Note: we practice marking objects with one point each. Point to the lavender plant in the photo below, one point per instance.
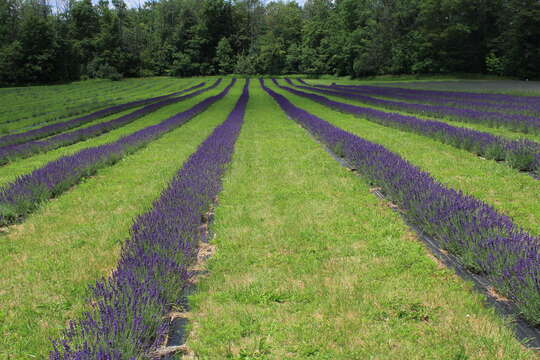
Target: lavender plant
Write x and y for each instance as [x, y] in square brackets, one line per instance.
[515, 122]
[434, 97]
[533, 101]
[128, 312]
[70, 124]
[486, 241]
[520, 154]
[15, 151]
[23, 195]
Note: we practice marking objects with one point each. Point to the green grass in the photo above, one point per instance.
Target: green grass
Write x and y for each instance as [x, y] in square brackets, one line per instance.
[74, 100]
[456, 82]
[499, 131]
[68, 113]
[47, 262]
[310, 265]
[11, 171]
[511, 192]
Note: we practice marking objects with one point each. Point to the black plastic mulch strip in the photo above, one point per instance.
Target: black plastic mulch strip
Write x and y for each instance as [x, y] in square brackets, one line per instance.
[178, 333]
[526, 333]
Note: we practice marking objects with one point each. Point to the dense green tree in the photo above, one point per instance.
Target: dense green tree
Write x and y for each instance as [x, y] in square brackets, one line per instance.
[518, 47]
[43, 43]
[225, 56]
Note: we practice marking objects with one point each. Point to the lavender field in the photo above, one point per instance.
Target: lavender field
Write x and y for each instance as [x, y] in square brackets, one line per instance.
[271, 218]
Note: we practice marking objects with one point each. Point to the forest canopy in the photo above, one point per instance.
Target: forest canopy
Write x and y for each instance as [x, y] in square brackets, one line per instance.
[44, 41]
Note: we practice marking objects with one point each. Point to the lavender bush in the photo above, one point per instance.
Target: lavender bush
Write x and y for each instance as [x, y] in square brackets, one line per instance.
[70, 124]
[520, 154]
[22, 196]
[485, 240]
[516, 122]
[533, 102]
[434, 97]
[11, 152]
[128, 315]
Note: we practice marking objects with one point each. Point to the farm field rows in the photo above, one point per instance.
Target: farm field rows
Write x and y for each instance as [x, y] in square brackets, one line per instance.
[523, 155]
[26, 108]
[53, 136]
[307, 261]
[500, 131]
[504, 188]
[48, 285]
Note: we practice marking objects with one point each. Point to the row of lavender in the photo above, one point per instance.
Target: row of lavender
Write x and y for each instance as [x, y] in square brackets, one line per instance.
[73, 123]
[435, 97]
[520, 154]
[69, 111]
[15, 151]
[497, 98]
[127, 320]
[516, 122]
[485, 240]
[24, 194]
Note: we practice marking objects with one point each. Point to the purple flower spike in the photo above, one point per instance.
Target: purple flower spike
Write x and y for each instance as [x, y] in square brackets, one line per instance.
[128, 315]
[485, 240]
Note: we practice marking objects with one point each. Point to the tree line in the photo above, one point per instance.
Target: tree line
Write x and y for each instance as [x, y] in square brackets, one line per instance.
[44, 41]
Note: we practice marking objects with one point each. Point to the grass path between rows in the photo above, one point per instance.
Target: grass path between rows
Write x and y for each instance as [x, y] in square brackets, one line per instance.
[83, 103]
[11, 171]
[511, 192]
[499, 131]
[47, 262]
[310, 265]
[495, 85]
[75, 93]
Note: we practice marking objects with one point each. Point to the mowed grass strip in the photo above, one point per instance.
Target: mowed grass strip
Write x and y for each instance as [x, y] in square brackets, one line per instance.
[35, 102]
[47, 263]
[76, 93]
[59, 107]
[141, 94]
[310, 265]
[11, 171]
[83, 104]
[512, 193]
[500, 131]
[493, 85]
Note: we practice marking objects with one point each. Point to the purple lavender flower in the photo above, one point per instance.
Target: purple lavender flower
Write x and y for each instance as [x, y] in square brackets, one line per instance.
[517, 122]
[11, 152]
[520, 154]
[70, 124]
[485, 240]
[127, 318]
[22, 196]
[435, 97]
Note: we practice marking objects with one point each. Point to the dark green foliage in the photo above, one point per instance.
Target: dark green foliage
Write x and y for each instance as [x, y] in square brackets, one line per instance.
[225, 56]
[40, 43]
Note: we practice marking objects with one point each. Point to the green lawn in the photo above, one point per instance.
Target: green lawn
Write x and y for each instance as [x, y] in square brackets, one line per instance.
[36, 106]
[311, 265]
[19, 167]
[500, 131]
[478, 84]
[47, 262]
[513, 193]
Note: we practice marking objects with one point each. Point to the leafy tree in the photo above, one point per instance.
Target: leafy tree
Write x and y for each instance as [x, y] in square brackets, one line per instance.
[225, 56]
[519, 45]
[203, 37]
